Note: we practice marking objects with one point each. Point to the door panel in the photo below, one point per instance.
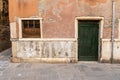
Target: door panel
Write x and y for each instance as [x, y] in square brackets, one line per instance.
[88, 40]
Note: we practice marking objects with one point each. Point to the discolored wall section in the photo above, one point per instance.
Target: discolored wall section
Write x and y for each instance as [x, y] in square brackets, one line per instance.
[46, 49]
[58, 19]
[59, 15]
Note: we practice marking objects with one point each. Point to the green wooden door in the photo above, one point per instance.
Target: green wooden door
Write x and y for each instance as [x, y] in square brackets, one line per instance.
[88, 32]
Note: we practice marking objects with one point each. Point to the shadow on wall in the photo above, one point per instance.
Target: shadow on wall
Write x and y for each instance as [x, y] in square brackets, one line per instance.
[4, 38]
[4, 26]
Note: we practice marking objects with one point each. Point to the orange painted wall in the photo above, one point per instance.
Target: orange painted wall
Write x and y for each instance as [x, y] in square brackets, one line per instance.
[22, 8]
[59, 15]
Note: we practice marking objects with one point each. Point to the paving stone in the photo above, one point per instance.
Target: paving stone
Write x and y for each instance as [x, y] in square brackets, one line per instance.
[40, 71]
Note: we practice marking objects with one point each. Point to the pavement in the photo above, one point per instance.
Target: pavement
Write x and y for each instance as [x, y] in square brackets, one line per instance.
[61, 71]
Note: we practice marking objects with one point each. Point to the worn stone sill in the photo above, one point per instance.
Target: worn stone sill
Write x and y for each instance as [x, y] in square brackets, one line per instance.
[47, 39]
[108, 40]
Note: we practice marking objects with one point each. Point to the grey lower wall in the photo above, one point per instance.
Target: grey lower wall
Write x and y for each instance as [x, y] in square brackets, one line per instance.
[46, 49]
[59, 50]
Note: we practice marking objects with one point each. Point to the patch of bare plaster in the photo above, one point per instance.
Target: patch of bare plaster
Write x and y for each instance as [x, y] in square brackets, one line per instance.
[16, 19]
[87, 9]
[56, 7]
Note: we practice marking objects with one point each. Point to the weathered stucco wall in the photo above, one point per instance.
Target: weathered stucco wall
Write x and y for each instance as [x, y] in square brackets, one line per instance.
[46, 49]
[59, 22]
[59, 15]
